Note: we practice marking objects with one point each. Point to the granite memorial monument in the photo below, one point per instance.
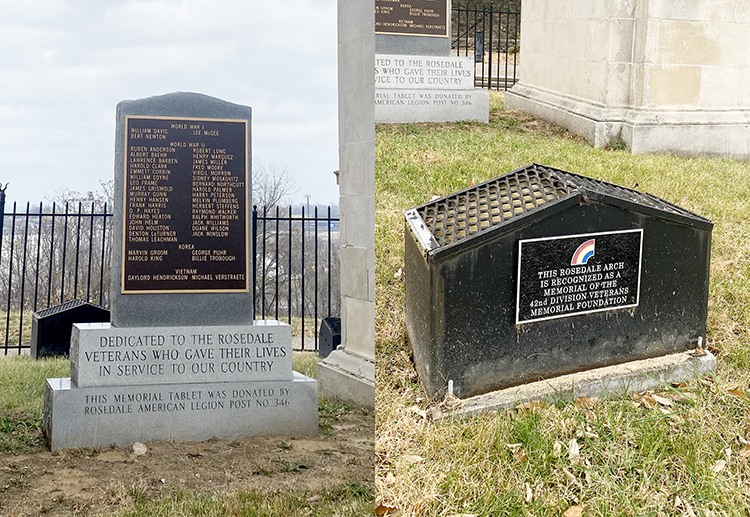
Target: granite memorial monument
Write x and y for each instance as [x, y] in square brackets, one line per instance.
[416, 78]
[182, 358]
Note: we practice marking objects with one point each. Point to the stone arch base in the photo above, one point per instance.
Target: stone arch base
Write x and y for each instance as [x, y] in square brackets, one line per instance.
[715, 133]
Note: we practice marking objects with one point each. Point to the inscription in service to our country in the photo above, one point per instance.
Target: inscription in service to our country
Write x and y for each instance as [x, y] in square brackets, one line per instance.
[153, 358]
[412, 17]
[184, 212]
[408, 72]
[578, 274]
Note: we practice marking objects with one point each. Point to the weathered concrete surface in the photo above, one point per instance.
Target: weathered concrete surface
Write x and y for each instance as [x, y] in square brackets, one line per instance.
[420, 45]
[348, 378]
[661, 76]
[610, 381]
[122, 415]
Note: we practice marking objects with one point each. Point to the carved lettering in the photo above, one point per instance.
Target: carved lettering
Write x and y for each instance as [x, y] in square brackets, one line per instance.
[185, 206]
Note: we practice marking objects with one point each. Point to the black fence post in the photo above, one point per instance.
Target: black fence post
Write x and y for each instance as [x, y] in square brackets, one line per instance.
[2, 212]
[255, 255]
[10, 276]
[2, 225]
[302, 279]
[489, 72]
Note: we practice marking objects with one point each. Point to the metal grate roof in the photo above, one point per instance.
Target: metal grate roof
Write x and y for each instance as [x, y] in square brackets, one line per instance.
[629, 195]
[59, 309]
[458, 216]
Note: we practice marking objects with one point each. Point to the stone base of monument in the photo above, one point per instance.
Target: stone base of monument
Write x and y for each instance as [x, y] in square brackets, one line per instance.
[607, 382]
[412, 88]
[347, 377]
[405, 106]
[121, 415]
[140, 384]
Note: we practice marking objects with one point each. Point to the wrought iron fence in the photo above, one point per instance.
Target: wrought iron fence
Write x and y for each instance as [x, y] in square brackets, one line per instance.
[50, 255]
[492, 36]
[296, 266]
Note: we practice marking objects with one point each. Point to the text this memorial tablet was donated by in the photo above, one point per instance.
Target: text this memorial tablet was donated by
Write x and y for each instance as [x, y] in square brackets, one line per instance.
[185, 212]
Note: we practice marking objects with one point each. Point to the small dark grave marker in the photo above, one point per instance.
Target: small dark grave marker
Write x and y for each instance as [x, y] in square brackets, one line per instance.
[541, 272]
[479, 46]
[330, 336]
[51, 328]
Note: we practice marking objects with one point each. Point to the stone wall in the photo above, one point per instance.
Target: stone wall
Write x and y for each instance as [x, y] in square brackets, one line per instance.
[659, 75]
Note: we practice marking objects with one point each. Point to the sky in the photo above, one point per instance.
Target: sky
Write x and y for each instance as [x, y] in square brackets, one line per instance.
[65, 64]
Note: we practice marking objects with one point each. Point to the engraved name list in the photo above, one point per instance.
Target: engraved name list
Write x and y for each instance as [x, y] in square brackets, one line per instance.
[185, 206]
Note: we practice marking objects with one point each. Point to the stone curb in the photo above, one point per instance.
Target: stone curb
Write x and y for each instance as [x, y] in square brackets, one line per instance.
[606, 382]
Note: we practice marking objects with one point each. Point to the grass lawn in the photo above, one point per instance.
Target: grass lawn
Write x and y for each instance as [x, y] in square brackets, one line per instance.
[636, 456]
[297, 477]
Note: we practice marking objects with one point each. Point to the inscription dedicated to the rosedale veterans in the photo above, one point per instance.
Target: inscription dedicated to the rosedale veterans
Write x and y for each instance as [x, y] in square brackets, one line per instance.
[102, 355]
[185, 205]
[177, 353]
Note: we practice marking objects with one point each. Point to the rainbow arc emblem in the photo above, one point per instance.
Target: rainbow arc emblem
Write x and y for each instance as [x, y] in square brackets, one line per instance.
[584, 252]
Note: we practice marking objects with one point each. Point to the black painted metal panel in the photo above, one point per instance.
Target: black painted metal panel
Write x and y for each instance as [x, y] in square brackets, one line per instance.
[462, 306]
[51, 328]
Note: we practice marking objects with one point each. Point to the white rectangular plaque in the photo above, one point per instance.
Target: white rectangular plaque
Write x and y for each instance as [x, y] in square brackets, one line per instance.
[400, 71]
[103, 355]
[121, 415]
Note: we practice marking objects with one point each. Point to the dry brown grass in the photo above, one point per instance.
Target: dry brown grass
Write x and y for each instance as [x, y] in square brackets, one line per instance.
[632, 458]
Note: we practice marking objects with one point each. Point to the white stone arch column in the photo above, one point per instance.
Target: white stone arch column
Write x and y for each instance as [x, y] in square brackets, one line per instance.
[348, 374]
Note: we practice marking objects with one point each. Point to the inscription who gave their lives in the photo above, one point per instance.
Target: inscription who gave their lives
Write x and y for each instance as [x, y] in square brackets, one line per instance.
[185, 354]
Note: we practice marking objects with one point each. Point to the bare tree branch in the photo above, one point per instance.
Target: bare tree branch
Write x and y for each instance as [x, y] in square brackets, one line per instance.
[271, 185]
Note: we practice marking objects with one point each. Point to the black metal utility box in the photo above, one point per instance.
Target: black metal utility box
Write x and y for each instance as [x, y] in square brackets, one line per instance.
[51, 328]
[541, 272]
[330, 336]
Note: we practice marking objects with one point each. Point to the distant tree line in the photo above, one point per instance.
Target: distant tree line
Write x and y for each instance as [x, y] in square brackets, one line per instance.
[61, 252]
[497, 5]
[469, 16]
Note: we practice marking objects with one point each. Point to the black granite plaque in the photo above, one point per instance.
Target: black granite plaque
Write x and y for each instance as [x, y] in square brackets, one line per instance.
[412, 17]
[185, 217]
[578, 274]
